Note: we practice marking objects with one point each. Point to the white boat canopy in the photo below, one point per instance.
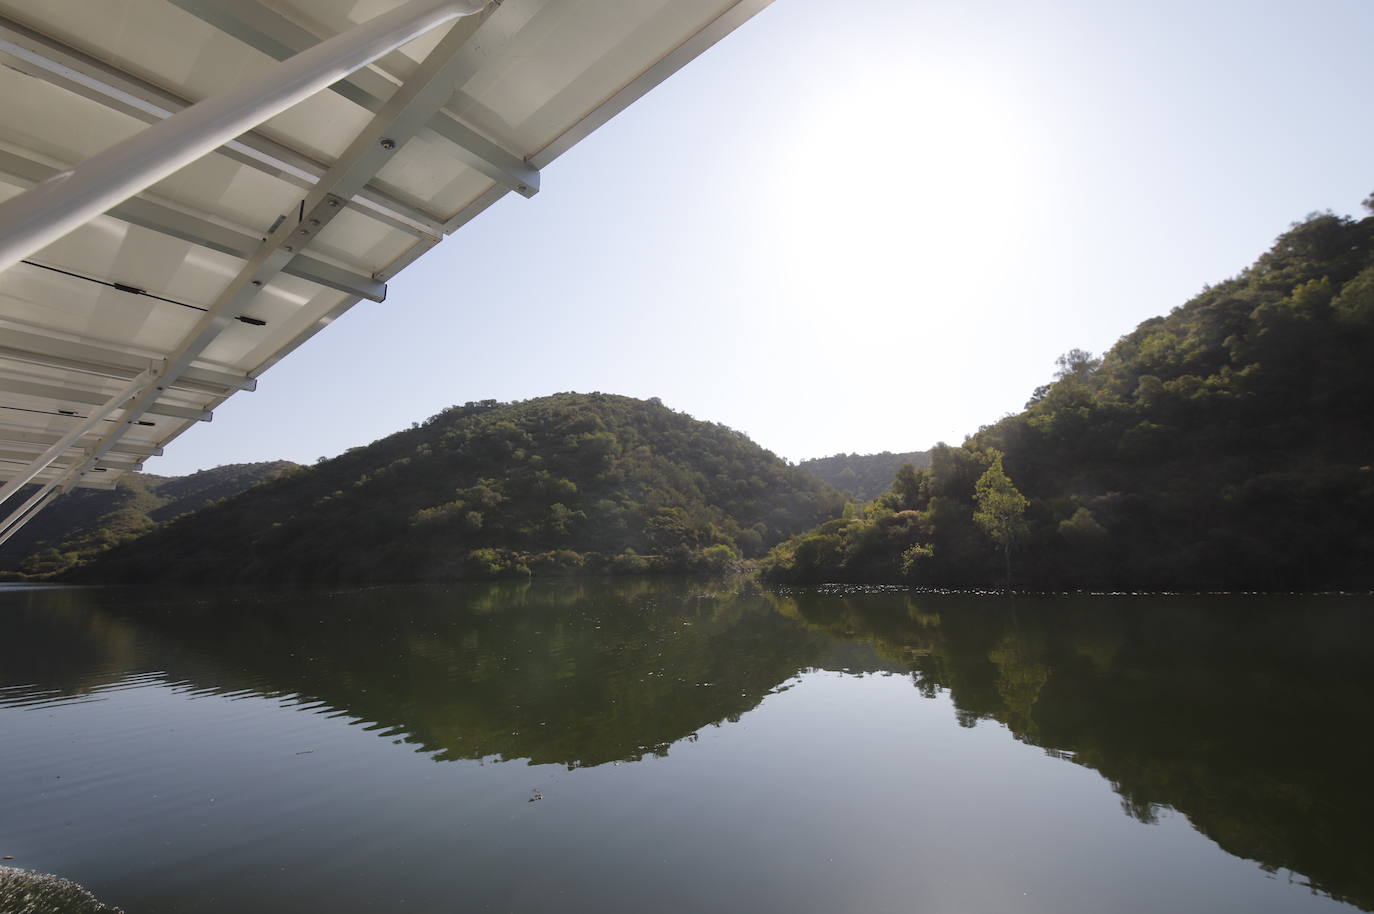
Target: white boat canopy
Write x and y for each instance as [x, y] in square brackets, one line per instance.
[190, 189]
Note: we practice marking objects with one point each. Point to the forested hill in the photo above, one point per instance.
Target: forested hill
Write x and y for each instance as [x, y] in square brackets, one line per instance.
[567, 483]
[1229, 445]
[862, 476]
[85, 522]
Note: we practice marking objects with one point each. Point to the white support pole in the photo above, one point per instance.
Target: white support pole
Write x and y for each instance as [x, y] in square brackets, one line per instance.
[46, 212]
[43, 460]
[22, 515]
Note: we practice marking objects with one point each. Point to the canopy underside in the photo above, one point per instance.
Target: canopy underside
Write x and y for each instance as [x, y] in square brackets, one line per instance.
[471, 110]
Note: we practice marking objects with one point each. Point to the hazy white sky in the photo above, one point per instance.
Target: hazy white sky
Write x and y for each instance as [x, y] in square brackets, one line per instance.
[860, 226]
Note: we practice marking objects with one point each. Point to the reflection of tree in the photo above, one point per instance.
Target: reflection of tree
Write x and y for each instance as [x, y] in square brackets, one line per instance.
[841, 616]
[1244, 716]
[1020, 678]
[52, 642]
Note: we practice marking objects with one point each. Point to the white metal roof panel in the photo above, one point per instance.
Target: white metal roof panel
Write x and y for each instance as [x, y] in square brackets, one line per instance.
[479, 105]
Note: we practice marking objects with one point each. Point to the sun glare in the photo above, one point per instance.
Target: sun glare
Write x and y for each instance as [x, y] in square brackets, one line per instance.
[901, 179]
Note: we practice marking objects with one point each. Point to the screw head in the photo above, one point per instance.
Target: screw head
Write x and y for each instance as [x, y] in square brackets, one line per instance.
[314, 222]
[257, 282]
[333, 201]
[388, 143]
[290, 249]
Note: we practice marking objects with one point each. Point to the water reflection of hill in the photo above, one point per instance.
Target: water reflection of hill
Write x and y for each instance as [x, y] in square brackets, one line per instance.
[1249, 716]
[575, 673]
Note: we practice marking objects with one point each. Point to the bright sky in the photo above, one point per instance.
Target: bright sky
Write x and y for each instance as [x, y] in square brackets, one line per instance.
[860, 226]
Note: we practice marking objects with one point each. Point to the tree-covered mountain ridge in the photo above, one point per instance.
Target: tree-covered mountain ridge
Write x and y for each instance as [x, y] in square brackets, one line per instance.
[569, 483]
[85, 522]
[1227, 445]
[862, 477]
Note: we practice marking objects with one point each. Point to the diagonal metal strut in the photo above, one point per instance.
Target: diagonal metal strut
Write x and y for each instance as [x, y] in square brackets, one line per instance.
[273, 34]
[48, 211]
[45, 58]
[70, 199]
[404, 113]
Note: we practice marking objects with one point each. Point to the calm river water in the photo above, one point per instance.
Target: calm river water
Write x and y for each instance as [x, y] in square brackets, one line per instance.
[689, 746]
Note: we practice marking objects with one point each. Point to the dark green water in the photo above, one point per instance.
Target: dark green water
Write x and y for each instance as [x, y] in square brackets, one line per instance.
[688, 746]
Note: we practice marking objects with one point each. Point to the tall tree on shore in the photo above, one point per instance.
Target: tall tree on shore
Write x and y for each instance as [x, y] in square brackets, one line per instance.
[1000, 508]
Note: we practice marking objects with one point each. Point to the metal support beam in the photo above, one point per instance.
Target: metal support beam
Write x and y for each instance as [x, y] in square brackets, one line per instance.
[503, 167]
[273, 34]
[100, 485]
[45, 213]
[63, 461]
[43, 460]
[47, 59]
[94, 398]
[26, 438]
[40, 500]
[404, 113]
[27, 511]
[177, 223]
[38, 349]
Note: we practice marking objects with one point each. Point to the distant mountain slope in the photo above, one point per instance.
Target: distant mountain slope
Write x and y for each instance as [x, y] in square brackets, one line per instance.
[85, 522]
[185, 494]
[862, 476]
[571, 482]
[1229, 445]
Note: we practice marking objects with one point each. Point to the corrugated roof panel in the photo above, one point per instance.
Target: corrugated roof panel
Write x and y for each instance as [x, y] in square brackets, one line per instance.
[568, 59]
[51, 122]
[218, 187]
[353, 238]
[426, 169]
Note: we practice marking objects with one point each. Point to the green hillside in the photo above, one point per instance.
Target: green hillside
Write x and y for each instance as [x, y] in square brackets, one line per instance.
[562, 484]
[863, 477]
[85, 522]
[1228, 445]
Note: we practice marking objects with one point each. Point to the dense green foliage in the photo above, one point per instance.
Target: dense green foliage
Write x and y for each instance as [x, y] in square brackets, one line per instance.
[1228, 445]
[85, 522]
[863, 477]
[560, 484]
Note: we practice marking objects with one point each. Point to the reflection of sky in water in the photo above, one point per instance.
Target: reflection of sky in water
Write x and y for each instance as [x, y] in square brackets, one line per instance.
[171, 777]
